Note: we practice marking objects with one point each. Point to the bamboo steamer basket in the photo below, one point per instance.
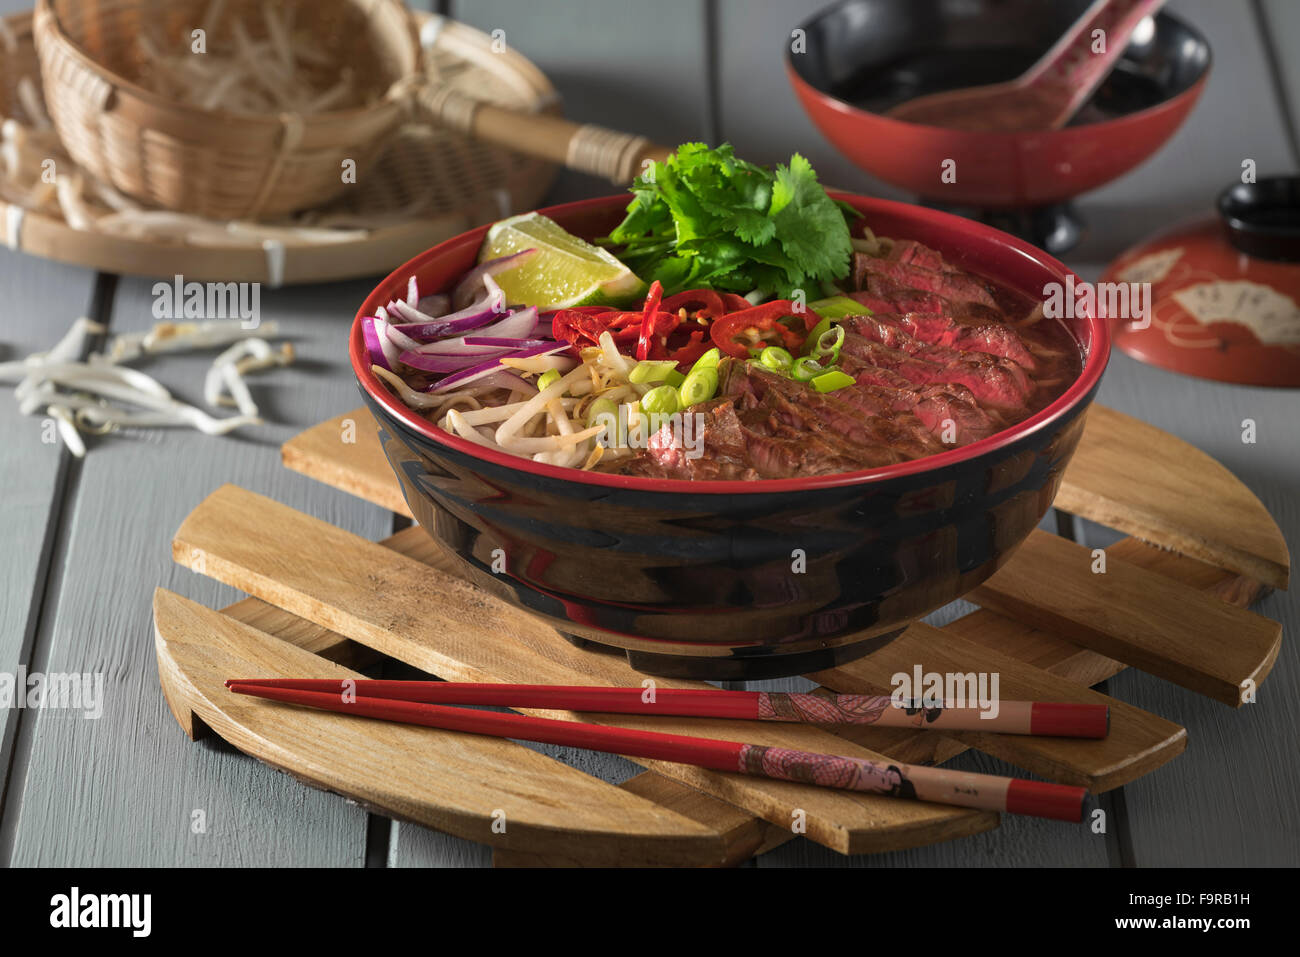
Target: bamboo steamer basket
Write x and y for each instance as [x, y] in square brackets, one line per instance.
[428, 185]
[227, 165]
[215, 162]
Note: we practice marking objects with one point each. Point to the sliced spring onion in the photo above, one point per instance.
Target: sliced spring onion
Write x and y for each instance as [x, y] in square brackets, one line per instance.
[833, 311]
[663, 400]
[826, 348]
[651, 370]
[601, 407]
[700, 386]
[675, 379]
[709, 360]
[546, 378]
[806, 369]
[776, 359]
[832, 380]
[838, 307]
[830, 340]
[819, 330]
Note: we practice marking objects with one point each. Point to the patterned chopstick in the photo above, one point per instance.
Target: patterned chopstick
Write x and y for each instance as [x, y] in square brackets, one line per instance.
[959, 788]
[1059, 719]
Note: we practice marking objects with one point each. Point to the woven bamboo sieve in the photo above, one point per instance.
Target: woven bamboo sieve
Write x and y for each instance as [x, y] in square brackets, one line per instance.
[229, 165]
[217, 163]
[428, 185]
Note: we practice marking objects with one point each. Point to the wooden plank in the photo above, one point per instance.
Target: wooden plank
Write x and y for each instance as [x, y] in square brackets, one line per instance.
[322, 642]
[1135, 616]
[130, 774]
[1138, 741]
[465, 638]
[463, 784]
[41, 299]
[745, 836]
[1230, 800]
[35, 465]
[1164, 499]
[742, 835]
[345, 452]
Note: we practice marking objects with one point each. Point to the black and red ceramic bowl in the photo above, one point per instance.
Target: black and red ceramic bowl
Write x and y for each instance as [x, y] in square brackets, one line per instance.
[860, 58]
[738, 579]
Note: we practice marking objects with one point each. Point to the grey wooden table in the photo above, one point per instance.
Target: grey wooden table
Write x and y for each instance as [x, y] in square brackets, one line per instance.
[86, 542]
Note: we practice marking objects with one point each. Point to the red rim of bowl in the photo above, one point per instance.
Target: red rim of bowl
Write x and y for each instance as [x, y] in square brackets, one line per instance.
[1098, 352]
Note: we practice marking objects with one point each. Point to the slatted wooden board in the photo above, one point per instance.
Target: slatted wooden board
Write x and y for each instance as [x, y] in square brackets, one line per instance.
[322, 598]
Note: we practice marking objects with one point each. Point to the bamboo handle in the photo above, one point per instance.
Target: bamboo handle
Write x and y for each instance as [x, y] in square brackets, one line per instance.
[586, 148]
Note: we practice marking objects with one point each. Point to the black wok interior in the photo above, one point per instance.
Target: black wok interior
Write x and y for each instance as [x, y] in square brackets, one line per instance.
[876, 54]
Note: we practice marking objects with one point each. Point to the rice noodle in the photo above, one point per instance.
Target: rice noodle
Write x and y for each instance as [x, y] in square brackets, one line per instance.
[416, 400]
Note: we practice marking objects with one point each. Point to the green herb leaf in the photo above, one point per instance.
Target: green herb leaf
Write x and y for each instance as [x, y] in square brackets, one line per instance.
[704, 216]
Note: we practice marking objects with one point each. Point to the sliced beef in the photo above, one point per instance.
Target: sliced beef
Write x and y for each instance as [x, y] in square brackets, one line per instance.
[893, 298]
[873, 434]
[894, 337]
[995, 338]
[991, 383]
[891, 274]
[938, 405]
[881, 392]
[910, 251]
[721, 438]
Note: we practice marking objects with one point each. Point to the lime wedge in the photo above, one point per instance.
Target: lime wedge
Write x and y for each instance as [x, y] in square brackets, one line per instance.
[565, 271]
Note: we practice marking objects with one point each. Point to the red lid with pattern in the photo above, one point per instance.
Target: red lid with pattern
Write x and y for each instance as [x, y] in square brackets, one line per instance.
[1225, 290]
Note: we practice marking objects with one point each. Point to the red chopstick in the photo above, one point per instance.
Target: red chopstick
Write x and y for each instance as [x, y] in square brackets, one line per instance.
[960, 788]
[1060, 719]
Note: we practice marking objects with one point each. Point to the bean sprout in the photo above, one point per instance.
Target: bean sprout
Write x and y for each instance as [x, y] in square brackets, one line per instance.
[97, 395]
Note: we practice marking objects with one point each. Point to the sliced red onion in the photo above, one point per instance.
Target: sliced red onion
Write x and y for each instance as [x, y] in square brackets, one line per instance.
[467, 290]
[504, 379]
[496, 296]
[419, 325]
[477, 372]
[450, 363]
[436, 305]
[506, 343]
[456, 347]
[400, 339]
[412, 292]
[382, 351]
[516, 326]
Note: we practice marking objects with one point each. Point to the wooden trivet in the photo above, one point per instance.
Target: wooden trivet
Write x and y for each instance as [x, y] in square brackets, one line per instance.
[1048, 625]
